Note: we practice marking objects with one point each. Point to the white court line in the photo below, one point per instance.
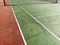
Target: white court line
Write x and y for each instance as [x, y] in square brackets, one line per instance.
[40, 23]
[19, 26]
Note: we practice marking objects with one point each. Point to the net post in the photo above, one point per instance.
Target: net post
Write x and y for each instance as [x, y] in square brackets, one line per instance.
[56, 1]
[4, 2]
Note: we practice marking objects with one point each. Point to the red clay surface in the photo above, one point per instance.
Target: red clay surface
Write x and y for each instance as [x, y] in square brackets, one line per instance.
[9, 31]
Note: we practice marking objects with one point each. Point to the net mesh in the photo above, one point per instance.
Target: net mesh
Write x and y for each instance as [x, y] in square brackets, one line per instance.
[27, 2]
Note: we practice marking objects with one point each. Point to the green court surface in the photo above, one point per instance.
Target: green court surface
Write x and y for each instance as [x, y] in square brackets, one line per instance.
[39, 21]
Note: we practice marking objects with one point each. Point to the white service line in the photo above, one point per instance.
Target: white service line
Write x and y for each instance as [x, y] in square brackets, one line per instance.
[19, 27]
[39, 22]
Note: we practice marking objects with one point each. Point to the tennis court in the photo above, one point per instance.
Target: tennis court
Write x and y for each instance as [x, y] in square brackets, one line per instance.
[39, 21]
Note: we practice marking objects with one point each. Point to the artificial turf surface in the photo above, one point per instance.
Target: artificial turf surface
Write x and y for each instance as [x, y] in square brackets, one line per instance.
[47, 14]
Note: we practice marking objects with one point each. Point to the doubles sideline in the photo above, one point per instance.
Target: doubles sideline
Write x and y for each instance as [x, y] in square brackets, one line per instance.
[18, 26]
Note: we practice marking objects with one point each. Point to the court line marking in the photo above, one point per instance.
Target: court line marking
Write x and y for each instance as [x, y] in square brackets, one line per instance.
[39, 23]
[20, 29]
[18, 26]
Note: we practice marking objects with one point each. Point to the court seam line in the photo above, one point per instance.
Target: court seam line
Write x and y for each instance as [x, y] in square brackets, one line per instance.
[24, 41]
[40, 23]
[45, 16]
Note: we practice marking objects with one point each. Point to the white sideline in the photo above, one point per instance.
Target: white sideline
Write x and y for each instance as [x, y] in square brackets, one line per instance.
[18, 26]
[40, 23]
